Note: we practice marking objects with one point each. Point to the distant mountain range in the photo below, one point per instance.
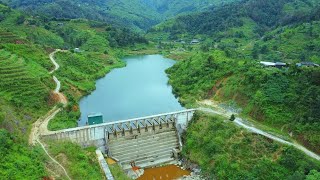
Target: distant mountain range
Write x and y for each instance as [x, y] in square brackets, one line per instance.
[139, 14]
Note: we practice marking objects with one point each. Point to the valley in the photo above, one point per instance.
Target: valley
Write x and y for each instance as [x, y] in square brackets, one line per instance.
[253, 120]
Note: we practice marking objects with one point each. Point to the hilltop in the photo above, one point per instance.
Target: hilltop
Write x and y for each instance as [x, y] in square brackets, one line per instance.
[138, 14]
[221, 67]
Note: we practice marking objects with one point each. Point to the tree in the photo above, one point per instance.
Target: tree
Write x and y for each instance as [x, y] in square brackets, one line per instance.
[313, 175]
[232, 118]
[20, 19]
[1, 117]
[256, 51]
[210, 61]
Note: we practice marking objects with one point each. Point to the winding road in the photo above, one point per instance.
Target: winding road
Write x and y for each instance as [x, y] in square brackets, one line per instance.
[41, 125]
[250, 127]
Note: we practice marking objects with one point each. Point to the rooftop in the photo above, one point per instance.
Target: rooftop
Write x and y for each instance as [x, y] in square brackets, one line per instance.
[95, 114]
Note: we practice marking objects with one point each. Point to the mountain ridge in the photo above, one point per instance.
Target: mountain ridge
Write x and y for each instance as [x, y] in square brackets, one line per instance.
[138, 14]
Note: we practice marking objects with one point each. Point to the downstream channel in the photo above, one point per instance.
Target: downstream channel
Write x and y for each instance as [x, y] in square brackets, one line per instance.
[139, 89]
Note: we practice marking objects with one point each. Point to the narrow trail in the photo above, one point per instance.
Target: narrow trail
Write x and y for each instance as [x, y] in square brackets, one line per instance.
[56, 65]
[41, 125]
[250, 127]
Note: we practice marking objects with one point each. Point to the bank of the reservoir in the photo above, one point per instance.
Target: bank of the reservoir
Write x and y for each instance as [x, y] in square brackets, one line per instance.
[139, 89]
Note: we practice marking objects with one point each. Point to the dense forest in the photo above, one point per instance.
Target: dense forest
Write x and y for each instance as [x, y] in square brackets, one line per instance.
[137, 14]
[225, 65]
[26, 86]
[225, 151]
[265, 14]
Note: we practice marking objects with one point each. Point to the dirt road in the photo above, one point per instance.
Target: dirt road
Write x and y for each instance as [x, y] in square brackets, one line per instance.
[41, 125]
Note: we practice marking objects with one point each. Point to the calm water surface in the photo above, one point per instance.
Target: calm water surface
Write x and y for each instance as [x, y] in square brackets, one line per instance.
[139, 89]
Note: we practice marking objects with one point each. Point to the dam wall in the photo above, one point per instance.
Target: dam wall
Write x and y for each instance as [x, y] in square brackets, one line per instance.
[98, 135]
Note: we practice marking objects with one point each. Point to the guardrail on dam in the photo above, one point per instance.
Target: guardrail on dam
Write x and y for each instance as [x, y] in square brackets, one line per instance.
[98, 135]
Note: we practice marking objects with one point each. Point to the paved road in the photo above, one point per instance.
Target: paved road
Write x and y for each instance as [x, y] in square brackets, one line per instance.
[250, 127]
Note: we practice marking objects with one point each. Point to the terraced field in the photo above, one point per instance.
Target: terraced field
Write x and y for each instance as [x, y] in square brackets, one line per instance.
[17, 84]
[8, 37]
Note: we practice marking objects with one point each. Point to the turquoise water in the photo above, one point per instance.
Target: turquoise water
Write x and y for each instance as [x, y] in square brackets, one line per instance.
[139, 89]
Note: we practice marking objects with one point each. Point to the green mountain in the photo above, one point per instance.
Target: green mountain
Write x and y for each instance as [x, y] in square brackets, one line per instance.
[225, 65]
[139, 14]
[265, 15]
[26, 85]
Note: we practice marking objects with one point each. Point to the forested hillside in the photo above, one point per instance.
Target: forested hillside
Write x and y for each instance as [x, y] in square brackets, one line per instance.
[230, 38]
[225, 151]
[138, 14]
[225, 65]
[265, 15]
[26, 87]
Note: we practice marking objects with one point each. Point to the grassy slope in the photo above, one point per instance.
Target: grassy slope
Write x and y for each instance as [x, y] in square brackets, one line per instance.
[79, 71]
[78, 76]
[26, 86]
[224, 151]
[18, 160]
[118, 172]
[283, 99]
[24, 89]
[286, 100]
[80, 163]
[25, 82]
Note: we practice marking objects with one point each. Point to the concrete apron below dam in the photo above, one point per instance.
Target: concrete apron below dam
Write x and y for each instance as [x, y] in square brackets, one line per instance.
[135, 144]
[152, 147]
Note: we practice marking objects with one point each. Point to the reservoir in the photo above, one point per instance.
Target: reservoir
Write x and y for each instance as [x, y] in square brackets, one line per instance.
[139, 89]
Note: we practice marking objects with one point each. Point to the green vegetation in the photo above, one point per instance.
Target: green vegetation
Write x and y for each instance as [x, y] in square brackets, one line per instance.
[65, 119]
[118, 173]
[79, 163]
[265, 14]
[78, 73]
[17, 84]
[26, 85]
[18, 160]
[224, 65]
[137, 14]
[224, 151]
[268, 95]
[313, 175]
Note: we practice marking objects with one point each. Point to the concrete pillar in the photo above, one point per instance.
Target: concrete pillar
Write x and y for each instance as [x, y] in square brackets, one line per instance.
[187, 118]
[78, 136]
[84, 133]
[135, 131]
[88, 134]
[156, 125]
[81, 133]
[94, 133]
[66, 135]
[127, 132]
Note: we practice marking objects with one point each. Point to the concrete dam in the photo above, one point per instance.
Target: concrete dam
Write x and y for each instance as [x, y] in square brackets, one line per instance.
[144, 142]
